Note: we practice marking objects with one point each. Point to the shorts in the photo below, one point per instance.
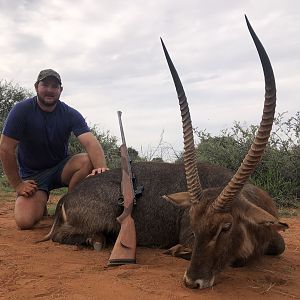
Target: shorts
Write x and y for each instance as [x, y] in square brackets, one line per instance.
[49, 179]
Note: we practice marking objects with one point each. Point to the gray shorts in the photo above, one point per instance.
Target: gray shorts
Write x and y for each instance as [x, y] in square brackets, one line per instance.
[49, 179]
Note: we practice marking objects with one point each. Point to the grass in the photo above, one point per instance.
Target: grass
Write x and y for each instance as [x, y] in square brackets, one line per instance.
[4, 185]
[51, 209]
[287, 212]
[59, 192]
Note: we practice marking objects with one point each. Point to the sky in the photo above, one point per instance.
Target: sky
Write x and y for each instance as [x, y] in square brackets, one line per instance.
[109, 56]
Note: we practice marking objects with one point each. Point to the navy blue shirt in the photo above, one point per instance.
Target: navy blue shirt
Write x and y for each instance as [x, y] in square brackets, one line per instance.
[43, 136]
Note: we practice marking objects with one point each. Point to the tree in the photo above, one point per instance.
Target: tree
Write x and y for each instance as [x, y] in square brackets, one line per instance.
[108, 142]
[109, 145]
[10, 94]
[279, 169]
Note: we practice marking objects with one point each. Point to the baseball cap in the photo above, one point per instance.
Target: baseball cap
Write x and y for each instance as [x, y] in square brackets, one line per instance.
[47, 73]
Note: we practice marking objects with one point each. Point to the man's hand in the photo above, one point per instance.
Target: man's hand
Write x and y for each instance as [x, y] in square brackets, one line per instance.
[98, 170]
[26, 188]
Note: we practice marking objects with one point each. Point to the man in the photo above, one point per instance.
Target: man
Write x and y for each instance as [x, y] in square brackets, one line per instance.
[39, 129]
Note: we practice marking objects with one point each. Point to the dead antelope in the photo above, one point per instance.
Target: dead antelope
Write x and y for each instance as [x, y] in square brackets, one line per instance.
[222, 223]
[234, 224]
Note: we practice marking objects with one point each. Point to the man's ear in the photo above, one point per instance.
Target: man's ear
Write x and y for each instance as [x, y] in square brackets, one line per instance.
[182, 199]
[36, 86]
[61, 88]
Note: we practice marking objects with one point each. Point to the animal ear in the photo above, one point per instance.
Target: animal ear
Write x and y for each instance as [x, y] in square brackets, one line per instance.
[280, 226]
[182, 199]
[258, 216]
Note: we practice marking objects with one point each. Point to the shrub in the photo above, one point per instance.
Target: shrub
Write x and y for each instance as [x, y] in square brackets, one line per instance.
[278, 171]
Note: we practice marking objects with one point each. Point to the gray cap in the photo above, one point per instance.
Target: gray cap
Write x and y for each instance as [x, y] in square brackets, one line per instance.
[47, 73]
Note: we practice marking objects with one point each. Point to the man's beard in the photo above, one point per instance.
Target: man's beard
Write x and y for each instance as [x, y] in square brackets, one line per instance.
[47, 103]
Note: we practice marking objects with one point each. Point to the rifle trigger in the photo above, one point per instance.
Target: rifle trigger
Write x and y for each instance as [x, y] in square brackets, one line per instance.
[121, 201]
[138, 191]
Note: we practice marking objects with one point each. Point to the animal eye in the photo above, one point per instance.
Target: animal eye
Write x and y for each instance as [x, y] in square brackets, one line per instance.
[226, 226]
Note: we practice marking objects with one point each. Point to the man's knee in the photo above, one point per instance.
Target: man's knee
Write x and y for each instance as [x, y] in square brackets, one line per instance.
[25, 218]
[28, 211]
[24, 223]
[79, 162]
[86, 163]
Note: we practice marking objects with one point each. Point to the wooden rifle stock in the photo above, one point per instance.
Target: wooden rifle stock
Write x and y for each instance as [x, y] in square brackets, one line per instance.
[124, 250]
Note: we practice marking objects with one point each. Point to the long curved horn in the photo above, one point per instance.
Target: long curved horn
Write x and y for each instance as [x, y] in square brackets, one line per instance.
[227, 196]
[190, 163]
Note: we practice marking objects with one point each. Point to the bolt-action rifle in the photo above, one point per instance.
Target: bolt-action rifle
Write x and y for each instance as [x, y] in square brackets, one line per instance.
[124, 250]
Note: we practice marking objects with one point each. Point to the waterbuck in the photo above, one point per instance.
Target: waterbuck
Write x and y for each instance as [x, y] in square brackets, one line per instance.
[89, 212]
[236, 223]
[224, 220]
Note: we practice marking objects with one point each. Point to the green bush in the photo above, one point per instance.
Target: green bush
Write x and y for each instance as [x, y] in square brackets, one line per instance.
[109, 145]
[10, 94]
[279, 169]
[108, 142]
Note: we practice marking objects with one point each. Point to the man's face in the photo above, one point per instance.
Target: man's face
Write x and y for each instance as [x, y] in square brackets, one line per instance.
[48, 91]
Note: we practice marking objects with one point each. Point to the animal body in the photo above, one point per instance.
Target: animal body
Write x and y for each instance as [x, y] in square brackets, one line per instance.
[207, 214]
[90, 211]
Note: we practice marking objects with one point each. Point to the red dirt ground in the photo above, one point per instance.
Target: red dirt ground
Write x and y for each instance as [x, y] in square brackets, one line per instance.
[53, 271]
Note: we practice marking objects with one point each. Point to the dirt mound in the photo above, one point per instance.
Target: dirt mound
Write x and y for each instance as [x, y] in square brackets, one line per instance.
[52, 271]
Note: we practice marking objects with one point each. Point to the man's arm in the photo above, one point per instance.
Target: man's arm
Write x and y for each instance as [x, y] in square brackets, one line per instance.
[95, 152]
[9, 162]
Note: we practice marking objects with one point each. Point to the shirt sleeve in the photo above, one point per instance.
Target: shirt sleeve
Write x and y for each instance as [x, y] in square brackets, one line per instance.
[15, 123]
[78, 123]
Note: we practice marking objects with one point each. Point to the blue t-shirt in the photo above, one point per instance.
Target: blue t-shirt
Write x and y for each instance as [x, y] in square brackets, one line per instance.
[43, 136]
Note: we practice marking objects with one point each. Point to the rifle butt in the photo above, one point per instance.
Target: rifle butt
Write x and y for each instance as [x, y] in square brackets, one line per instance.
[124, 250]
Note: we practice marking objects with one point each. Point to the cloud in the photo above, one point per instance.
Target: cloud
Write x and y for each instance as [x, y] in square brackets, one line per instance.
[110, 58]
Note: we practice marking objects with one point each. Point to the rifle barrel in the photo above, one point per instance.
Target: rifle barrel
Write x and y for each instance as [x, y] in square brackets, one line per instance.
[121, 127]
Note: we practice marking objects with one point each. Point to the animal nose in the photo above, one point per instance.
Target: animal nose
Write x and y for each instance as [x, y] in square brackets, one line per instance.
[198, 283]
[191, 284]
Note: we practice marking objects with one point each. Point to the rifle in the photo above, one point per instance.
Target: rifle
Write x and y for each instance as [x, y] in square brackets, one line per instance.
[124, 249]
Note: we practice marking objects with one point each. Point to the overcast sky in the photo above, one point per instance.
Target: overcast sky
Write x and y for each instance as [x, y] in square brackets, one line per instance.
[110, 58]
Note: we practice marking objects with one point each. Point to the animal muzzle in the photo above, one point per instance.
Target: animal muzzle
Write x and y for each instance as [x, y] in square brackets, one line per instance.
[198, 283]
